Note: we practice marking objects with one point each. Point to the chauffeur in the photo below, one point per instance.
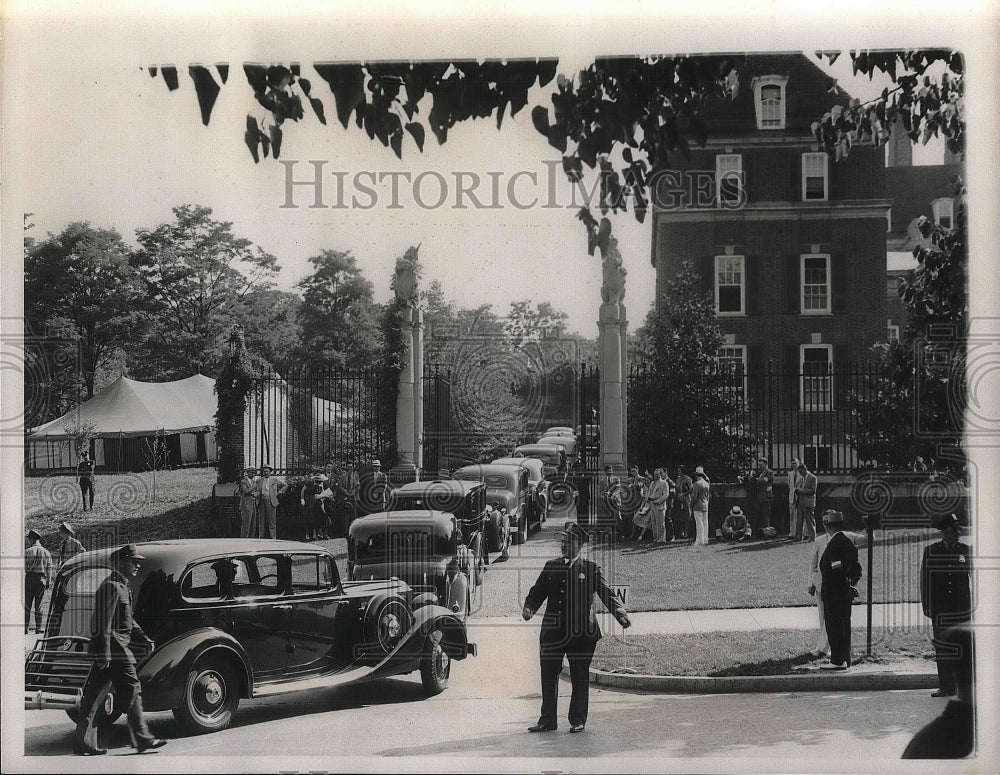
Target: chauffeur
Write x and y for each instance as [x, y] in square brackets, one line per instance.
[569, 626]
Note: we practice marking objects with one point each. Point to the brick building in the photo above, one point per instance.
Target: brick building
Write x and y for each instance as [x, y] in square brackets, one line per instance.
[791, 244]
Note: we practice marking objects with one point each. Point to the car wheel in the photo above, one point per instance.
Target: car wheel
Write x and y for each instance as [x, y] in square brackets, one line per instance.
[435, 665]
[391, 622]
[211, 695]
[107, 714]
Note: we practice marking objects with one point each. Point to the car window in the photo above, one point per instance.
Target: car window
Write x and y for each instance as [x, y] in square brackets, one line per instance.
[311, 573]
[498, 482]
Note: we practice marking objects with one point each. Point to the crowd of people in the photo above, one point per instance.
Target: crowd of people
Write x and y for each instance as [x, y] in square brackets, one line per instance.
[329, 499]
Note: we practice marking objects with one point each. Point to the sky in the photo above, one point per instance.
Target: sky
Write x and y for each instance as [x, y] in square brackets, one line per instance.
[99, 140]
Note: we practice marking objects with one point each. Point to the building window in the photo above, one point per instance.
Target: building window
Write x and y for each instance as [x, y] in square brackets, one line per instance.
[732, 360]
[729, 179]
[730, 285]
[816, 374]
[892, 333]
[769, 101]
[815, 284]
[815, 177]
[944, 212]
[818, 456]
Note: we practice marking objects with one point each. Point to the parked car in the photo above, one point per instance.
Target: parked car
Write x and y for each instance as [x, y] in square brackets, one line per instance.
[538, 495]
[559, 430]
[507, 490]
[241, 618]
[423, 548]
[568, 444]
[552, 455]
[466, 501]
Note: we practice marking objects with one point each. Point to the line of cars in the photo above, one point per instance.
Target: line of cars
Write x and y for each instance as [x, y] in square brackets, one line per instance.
[237, 619]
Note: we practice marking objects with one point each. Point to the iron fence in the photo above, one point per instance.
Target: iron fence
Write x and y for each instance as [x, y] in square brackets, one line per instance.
[437, 418]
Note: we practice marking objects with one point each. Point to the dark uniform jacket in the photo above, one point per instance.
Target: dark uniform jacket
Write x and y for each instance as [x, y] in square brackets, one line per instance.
[840, 569]
[569, 590]
[112, 625]
[944, 582]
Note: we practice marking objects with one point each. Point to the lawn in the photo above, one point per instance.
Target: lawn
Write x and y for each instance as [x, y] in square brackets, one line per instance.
[765, 573]
[127, 507]
[757, 652]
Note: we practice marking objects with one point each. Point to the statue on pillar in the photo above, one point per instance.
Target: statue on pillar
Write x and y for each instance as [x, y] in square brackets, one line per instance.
[612, 267]
[405, 279]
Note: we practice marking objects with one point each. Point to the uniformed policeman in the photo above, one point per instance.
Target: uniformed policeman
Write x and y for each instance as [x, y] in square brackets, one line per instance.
[569, 626]
[112, 630]
[946, 595]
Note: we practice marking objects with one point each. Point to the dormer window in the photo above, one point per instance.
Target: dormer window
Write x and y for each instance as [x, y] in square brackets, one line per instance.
[769, 101]
[944, 212]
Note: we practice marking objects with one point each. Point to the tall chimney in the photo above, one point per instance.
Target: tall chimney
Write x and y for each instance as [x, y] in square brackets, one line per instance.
[900, 153]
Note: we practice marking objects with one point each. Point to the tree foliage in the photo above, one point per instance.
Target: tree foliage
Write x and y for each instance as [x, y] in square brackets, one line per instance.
[917, 405]
[80, 301]
[681, 404]
[195, 272]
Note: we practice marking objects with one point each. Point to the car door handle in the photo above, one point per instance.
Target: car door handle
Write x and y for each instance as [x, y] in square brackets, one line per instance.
[283, 607]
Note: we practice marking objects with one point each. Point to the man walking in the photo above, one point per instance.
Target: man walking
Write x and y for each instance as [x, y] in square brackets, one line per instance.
[37, 575]
[269, 490]
[569, 626]
[805, 504]
[946, 595]
[70, 546]
[85, 478]
[112, 631]
[840, 571]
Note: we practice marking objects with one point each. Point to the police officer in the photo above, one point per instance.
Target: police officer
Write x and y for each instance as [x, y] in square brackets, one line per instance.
[946, 595]
[569, 626]
[112, 630]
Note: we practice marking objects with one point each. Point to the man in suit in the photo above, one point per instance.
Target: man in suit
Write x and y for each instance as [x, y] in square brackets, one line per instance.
[246, 488]
[85, 478]
[760, 489]
[269, 490]
[569, 626]
[37, 575]
[840, 571]
[805, 504]
[946, 595]
[793, 478]
[112, 630]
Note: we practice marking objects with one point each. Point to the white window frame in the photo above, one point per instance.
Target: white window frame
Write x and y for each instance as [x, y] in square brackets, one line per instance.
[769, 80]
[720, 358]
[944, 207]
[828, 309]
[806, 158]
[813, 406]
[722, 169]
[743, 286]
[892, 333]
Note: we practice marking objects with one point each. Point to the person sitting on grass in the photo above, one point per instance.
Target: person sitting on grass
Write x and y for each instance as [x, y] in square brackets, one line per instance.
[736, 527]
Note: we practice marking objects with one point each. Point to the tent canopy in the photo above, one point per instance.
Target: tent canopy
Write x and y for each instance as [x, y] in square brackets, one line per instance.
[131, 408]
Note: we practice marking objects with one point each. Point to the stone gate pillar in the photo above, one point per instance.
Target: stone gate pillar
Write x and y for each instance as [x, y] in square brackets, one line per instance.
[418, 389]
[405, 441]
[611, 326]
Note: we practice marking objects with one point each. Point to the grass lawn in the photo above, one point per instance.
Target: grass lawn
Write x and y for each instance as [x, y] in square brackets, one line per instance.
[764, 573]
[126, 507]
[757, 652]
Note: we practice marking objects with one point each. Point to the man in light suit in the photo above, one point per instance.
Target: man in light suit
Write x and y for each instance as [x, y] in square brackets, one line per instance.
[569, 626]
[269, 490]
[805, 504]
[793, 477]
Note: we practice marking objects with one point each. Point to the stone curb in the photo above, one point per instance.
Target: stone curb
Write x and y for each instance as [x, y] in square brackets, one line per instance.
[821, 682]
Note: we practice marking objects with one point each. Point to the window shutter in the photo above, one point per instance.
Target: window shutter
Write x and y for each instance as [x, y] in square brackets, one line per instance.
[750, 264]
[708, 275]
[756, 375]
[838, 283]
[793, 285]
[791, 369]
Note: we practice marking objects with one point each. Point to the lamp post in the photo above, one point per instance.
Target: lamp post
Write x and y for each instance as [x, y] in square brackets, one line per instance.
[871, 522]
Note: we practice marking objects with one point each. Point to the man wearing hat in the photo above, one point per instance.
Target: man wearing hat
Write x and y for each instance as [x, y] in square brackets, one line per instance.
[112, 630]
[946, 595]
[700, 494]
[70, 546]
[736, 527]
[840, 571]
[314, 498]
[247, 490]
[37, 574]
[569, 625]
[374, 489]
[85, 478]
[760, 492]
[269, 490]
[804, 496]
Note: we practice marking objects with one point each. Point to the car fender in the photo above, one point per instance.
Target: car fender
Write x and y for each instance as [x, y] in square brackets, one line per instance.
[164, 674]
